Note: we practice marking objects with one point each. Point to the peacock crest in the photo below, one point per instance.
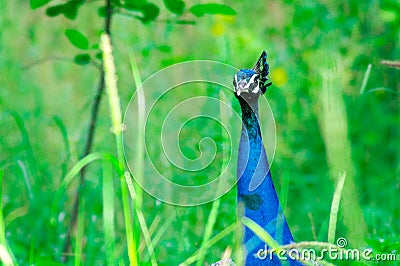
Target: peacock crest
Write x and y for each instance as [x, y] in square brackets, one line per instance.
[253, 80]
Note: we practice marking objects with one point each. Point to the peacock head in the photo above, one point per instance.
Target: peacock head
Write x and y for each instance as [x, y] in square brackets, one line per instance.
[251, 83]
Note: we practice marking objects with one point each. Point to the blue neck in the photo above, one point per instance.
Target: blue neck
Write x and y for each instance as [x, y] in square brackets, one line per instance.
[256, 191]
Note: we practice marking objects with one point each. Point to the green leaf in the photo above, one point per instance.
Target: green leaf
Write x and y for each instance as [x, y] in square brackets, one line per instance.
[54, 10]
[69, 9]
[38, 3]
[136, 3]
[212, 9]
[82, 59]
[150, 12]
[99, 55]
[164, 48]
[102, 12]
[77, 39]
[175, 6]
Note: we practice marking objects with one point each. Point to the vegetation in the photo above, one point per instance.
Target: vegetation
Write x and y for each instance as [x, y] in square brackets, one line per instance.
[336, 108]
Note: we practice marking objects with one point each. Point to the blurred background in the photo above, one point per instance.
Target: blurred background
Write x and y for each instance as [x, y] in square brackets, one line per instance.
[336, 109]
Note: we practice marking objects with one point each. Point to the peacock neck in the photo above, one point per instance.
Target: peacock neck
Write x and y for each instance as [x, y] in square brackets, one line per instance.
[251, 148]
[256, 191]
[250, 119]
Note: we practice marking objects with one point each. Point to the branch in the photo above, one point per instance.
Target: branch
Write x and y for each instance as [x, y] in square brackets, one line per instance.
[89, 139]
[390, 63]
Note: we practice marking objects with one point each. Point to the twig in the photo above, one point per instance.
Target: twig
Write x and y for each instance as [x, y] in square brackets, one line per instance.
[390, 63]
[47, 59]
[89, 140]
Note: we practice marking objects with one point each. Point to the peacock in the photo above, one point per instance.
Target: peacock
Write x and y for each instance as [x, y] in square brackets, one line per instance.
[256, 191]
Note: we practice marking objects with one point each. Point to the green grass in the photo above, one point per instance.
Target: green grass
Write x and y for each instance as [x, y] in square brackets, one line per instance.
[336, 109]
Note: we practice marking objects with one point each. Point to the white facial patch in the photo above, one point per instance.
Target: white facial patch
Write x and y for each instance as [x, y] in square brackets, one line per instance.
[245, 86]
[251, 81]
[256, 89]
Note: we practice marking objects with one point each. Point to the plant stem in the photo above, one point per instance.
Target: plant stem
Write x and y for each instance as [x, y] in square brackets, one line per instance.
[89, 138]
[115, 112]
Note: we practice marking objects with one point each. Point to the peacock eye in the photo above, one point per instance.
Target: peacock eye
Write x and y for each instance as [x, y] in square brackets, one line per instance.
[256, 79]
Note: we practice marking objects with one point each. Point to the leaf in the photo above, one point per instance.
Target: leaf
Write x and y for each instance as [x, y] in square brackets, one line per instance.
[77, 39]
[82, 59]
[99, 55]
[212, 9]
[54, 10]
[150, 12]
[102, 11]
[164, 48]
[38, 3]
[134, 3]
[69, 9]
[175, 6]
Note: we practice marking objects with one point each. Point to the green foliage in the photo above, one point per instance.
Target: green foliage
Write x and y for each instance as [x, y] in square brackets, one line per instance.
[82, 59]
[102, 11]
[38, 3]
[69, 9]
[175, 6]
[149, 10]
[77, 39]
[202, 9]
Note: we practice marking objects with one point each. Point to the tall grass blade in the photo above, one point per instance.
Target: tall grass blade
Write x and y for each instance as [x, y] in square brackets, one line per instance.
[194, 257]
[63, 130]
[267, 238]
[335, 207]
[75, 170]
[26, 178]
[2, 226]
[142, 221]
[139, 159]
[261, 233]
[6, 256]
[239, 235]
[26, 143]
[157, 236]
[108, 213]
[332, 118]
[79, 235]
[365, 79]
